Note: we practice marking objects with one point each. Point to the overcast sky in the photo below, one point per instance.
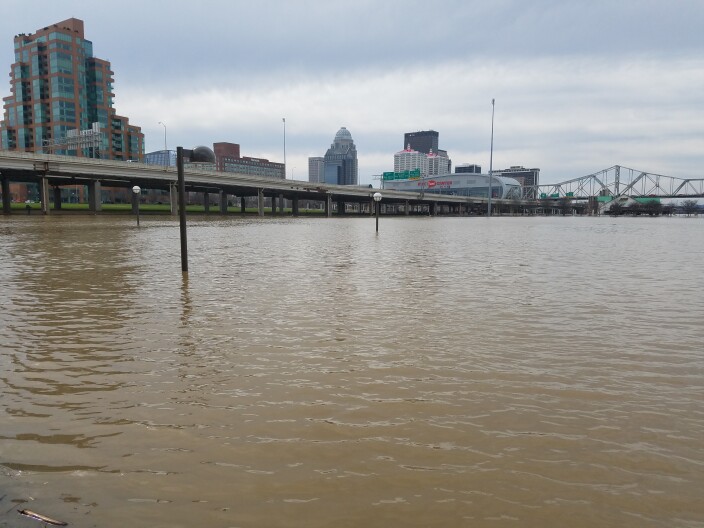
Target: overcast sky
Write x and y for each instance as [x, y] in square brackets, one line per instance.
[580, 86]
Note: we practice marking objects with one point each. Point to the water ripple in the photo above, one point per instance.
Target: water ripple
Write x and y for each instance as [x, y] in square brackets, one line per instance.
[448, 371]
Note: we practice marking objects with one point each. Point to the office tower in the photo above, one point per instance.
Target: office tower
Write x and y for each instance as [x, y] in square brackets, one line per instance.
[423, 141]
[430, 164]
[527, 177]
[467, 168]
[438, 163]
[426, 141]
[61, 99]
[341, 160]
[316, 169]
[228, 159]
[409, 159]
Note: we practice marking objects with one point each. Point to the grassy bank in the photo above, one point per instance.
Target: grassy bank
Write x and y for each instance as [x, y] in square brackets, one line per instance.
[149, 208]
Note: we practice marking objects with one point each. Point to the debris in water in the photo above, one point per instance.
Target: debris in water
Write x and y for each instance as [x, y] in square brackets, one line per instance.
[42, 518]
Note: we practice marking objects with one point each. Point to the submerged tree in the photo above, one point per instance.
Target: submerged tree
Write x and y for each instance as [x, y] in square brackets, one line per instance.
[690, 207]
[652, 208]
[616, 209]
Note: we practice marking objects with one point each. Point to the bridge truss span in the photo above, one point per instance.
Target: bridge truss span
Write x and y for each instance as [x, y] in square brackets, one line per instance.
[621, 181]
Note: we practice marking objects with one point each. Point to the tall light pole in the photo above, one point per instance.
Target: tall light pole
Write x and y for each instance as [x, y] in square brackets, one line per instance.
[377, 199]
[284, 120]
[197, 155]
[166, 150]
[491, 158]
[136, 190]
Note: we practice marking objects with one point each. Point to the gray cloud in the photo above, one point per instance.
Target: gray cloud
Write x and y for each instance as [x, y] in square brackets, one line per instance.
[579, 85]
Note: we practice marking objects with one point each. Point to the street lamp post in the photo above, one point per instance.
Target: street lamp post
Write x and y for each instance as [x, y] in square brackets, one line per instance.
[198, 154]
[166, 150]
[377, 200]
[491, 158]
[137, 190]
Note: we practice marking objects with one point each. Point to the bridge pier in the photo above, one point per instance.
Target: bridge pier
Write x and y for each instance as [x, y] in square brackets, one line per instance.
[223, 202]
[406, 208]
[44, 194]
[206, 202]
[243, 205]
[6, 198]
[328, 205]
[281, 203]
[260, 202]
[294, 206]
[173, 198]
[57, 197]
[94, 202]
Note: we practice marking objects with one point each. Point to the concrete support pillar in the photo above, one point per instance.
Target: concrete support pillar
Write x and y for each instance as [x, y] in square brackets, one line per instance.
[407, 208]
[328, 205]
[281, 204]
[6, 198]
[340, 207]
[434, 208]
[44, 195]
[243, 204]
[260, 201]
[57, 197]
[206, 202]
[94, 201]
[372, 207]
[294, 206]
[223, 202]
[173, 198]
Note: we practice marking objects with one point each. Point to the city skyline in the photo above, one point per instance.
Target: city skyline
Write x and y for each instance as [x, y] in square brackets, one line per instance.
[576, 91]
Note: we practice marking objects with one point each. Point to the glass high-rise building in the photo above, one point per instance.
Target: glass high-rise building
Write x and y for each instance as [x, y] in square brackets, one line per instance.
[61, 99]
[165, 158]
[341, 160]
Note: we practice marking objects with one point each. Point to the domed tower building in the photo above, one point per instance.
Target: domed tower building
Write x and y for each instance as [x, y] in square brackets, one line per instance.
[341, 160]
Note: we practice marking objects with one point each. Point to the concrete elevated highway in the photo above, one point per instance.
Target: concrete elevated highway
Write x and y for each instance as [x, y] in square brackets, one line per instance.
[51, 172]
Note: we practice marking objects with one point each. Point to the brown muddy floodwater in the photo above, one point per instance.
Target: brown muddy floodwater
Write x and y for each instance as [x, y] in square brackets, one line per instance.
[447, 372]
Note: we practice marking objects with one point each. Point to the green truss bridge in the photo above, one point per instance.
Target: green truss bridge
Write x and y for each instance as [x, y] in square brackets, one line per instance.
[620, 181]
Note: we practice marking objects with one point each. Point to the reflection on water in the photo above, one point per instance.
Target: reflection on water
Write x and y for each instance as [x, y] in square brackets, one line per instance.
[308, 372]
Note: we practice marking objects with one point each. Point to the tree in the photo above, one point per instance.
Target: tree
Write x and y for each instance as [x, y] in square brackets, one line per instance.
[565, 206]
[616, 209]
[690, 207]
[653, 208]
[635, 208]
